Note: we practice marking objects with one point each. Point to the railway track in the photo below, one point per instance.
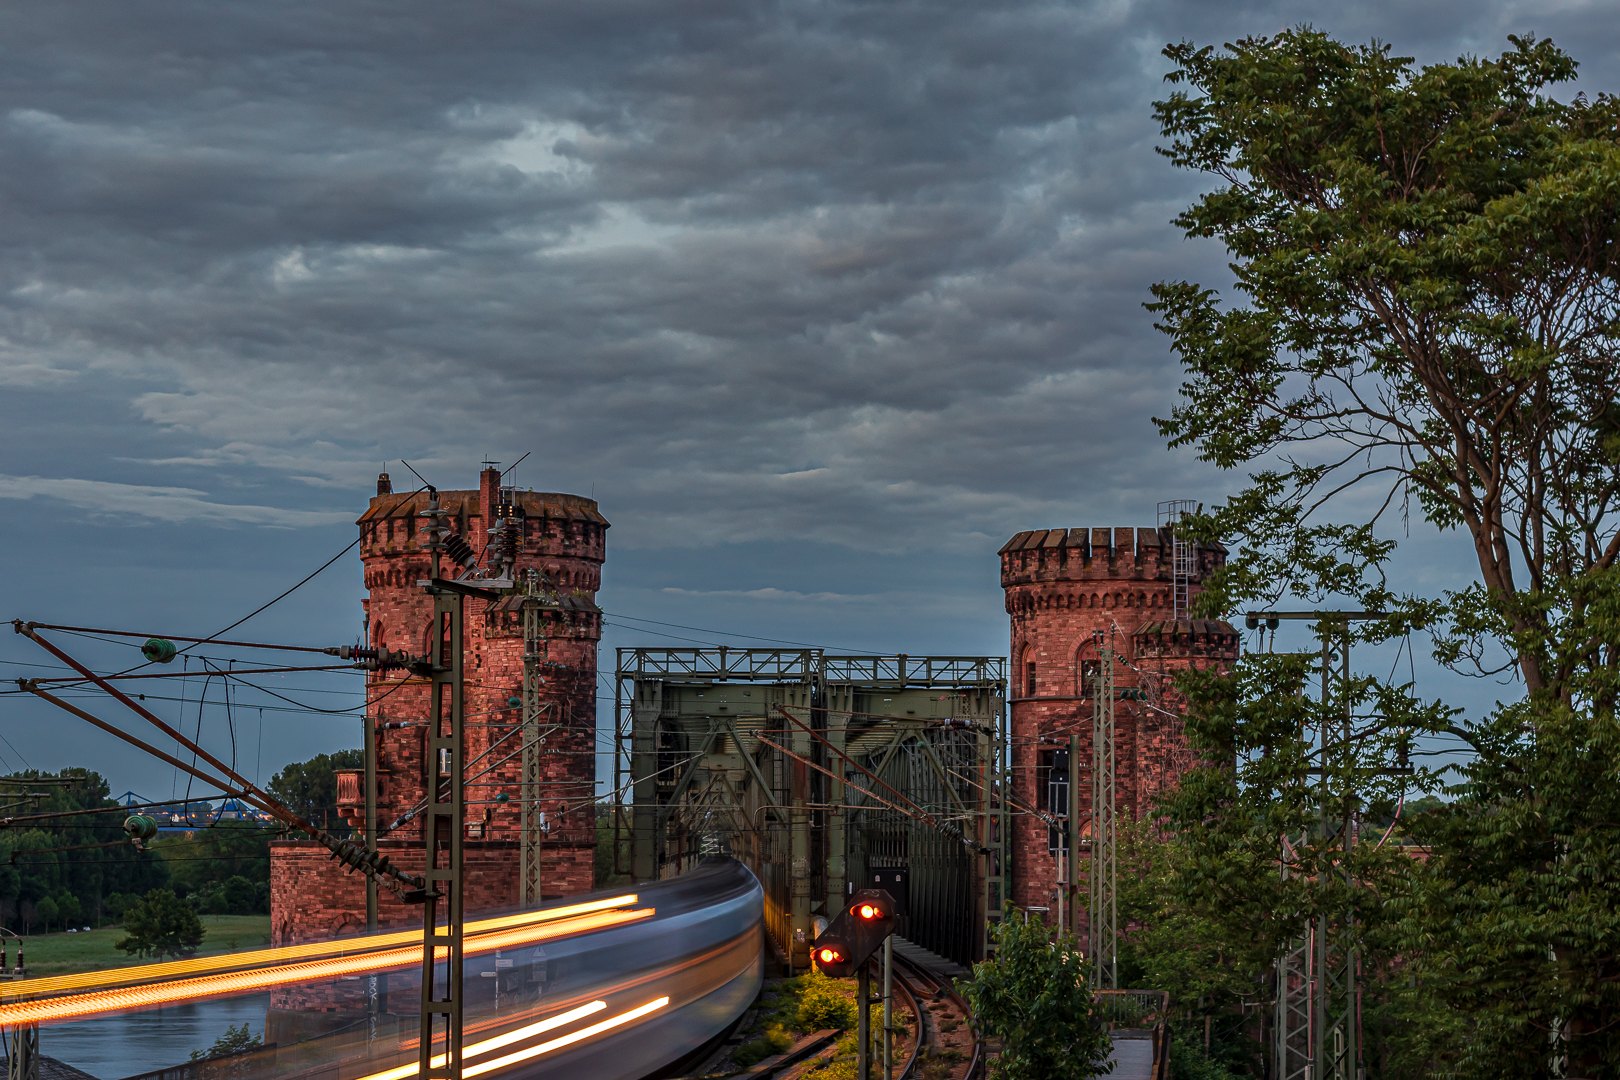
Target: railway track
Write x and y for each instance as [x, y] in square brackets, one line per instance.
[944, 1044]
[937, 1043]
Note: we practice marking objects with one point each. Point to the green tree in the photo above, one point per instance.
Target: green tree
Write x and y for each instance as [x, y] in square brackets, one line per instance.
[604, 873]
[69, 909]
[1032, 997]
[1427, 263]
[236, 1040]
[309, 788]
[1207, 961]
[200, 860]
[104, 863]
[161, 924]
[47, 913]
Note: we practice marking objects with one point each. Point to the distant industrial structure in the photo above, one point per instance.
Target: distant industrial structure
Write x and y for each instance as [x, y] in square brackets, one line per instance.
[189, 815]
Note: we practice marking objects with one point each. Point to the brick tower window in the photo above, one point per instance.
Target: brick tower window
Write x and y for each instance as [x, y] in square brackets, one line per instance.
[1052, 791]
[1029, 678]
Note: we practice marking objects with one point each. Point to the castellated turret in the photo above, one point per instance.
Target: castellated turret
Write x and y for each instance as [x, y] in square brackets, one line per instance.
[1069, 593]
[558, 536]
[563, 537]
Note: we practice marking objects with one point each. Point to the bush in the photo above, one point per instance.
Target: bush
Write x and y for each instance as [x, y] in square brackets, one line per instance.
[1033, 997]
[824, 1005]
[1189, 1062]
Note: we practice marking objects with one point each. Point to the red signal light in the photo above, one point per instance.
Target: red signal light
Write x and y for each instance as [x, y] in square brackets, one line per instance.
[851, 938]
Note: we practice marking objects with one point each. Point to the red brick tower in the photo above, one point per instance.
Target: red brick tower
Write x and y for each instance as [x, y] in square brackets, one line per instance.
[563, 538]
[1069, 592]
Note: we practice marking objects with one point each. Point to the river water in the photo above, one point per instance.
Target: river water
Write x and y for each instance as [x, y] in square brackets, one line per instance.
[126, 1044]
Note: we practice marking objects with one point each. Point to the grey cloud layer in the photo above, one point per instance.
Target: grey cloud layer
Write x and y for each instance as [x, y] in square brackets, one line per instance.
[815, 263]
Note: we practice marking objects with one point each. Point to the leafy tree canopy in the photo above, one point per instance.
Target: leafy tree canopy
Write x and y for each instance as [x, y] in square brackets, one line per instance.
[236, 1040]
[161, 924]
[1426, 263]
[309, 788]
[1033, 997]
[205, 857]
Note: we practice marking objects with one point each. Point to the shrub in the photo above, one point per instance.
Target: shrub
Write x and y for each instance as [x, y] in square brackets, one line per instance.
[824, 1005]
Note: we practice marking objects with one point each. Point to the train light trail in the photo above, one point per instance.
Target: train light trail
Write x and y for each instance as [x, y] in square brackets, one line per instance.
[314, 950]
[478, 1049]
[566, 1040]
[196, 988]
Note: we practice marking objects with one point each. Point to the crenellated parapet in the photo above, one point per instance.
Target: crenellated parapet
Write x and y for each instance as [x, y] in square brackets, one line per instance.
[555, 526]
[1186, 639]
[1105, 555]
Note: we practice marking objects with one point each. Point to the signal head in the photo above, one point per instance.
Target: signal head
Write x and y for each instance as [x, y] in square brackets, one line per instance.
[832, 957]
[872, 908]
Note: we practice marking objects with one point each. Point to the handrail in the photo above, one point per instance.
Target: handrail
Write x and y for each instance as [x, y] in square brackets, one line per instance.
[1140, 1009]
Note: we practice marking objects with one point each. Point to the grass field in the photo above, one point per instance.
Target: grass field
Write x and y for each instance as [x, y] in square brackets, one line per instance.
[92, 950]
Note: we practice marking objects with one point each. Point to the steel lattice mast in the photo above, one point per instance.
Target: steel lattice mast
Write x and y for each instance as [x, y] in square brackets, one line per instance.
[1104, 923]
[532, 821]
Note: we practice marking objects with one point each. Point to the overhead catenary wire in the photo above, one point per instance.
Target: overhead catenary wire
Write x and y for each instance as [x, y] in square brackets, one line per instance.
[252, 794]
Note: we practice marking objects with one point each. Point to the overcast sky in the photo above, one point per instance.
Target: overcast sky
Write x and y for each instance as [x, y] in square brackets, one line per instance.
[821, 301]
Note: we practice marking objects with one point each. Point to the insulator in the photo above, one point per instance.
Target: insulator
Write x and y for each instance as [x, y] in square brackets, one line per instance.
[506, 545]
[158, 650]
[140, 827]
[458, 549]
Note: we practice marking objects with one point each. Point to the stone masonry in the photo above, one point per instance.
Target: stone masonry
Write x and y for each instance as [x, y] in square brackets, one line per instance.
[1069, 592]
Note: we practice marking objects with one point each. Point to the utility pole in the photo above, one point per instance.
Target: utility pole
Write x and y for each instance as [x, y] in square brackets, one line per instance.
[1317, 1029]
[368, 725]
[532, 820]
[1338, 1016]
[22, 1061]
[1104, 832]
[442, 830]
[1071, 827]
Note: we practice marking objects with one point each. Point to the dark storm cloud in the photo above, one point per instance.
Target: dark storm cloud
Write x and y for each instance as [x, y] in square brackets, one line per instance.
[901, 247]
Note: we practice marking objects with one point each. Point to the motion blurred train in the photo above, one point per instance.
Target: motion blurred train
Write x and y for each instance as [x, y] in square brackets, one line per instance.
[610, 985]
[623, 1001]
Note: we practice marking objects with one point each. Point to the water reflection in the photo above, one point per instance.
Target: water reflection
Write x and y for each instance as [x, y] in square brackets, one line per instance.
[127, 1044]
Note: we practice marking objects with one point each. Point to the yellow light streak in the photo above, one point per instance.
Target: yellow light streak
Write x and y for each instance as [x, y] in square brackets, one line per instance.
[490, 1045]
[314, 950]
[77, 1006]
[565, 1040]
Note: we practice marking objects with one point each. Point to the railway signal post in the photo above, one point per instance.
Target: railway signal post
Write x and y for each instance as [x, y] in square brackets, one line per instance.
[846, 947]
